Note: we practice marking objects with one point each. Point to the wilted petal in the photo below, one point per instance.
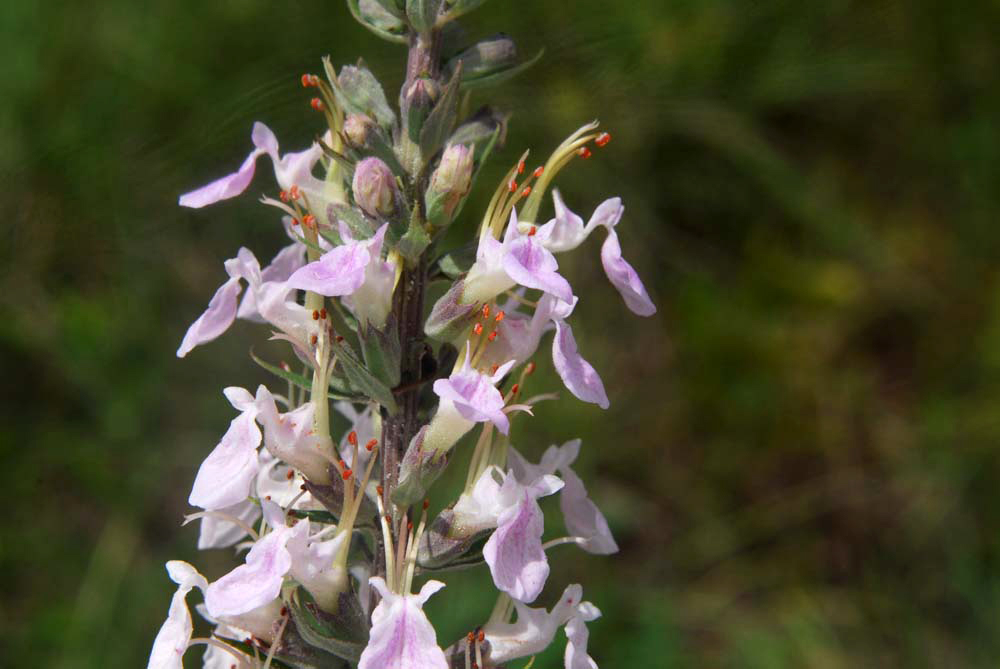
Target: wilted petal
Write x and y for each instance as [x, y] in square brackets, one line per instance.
[175, 633]
[576, 373]
[577, 636]
[534, 629]
[225, 476]
[219, 315]
[583, 518]
[624, 278]
[401, 636]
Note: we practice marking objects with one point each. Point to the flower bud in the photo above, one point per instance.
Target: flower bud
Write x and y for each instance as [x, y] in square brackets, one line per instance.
[375, 188]
[449, 183]
[492, 55]
[358, 129]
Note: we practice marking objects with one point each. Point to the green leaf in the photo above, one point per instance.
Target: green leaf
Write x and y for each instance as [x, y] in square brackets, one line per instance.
[414, 242]
[340, 391]
[381, 351]
[363, 380]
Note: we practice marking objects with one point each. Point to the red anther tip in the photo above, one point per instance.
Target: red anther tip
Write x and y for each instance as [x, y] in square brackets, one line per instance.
[482, 636]
[315, 315]
[305, 81]
[494, 368]
[372, 443]
[584, 152]
[379, 489]
[538, 171]
[283, 611]
[512, 186]
[316, 104]
[290, 475]
[409, 524]
[478, 328]
[303, 487]
[520, 167]
[514, 388]
[339, 339]
[532, 231]
[295, 221]
[530, 369]
[499, 316]
[388, 518]
[267, 497]
[486, 311]
[470, 636]
[427, 503]
[352, 438]
[322, 313]
[293, 192]
[313, 339]
[285, 366]
[493, 336]
[347, 474]
[603, 139]
[283, 195]
[343, 465]
[526, 192]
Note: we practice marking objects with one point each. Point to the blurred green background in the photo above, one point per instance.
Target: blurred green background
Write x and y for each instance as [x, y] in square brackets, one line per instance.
[801, 458]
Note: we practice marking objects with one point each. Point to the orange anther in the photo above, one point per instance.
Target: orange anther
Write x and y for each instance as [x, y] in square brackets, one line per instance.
[603, 139]
[532, 231]
[477, 329]
[347, 474]
[343, 465]
[339, 339]
[512, 186]
[584, 152]
[283, 195]
[409, 525]
[493, 336]
[530, 369]
[514, 388]
[313, 339]
[293, 192]
[427, 503]
[526, 192]
[315, 315]
[306, 81]
[295, 221]
[482, 636]
[470, 637]
[486, 310]
[538, 171]
[290, 475]
[322, 314]
[309, 220]
[317, 104]
[352, 438]
[372, 443]
[520, 167]
[379, 489]
[499, 317]
[494, 368]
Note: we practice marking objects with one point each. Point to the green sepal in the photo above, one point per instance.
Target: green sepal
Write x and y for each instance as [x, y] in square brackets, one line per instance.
[384, 24]
[314, 515]
[344, 633]
[417, 471]
[381, 350]
[301, 653]
[247, 649]
[492, 55]
[363, 380]
[357, 222]
[441, 121]
[457, 8]
[414, 241]
[359, 92]
[423, 14]
[447, 546]
[490, 79]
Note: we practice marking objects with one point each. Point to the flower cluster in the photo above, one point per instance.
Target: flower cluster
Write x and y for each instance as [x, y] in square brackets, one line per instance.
[330, 511]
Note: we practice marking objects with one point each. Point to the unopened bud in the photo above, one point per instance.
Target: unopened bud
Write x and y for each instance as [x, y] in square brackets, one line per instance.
[375, 188]
[454, 173]
[490, 56]
[357, 128]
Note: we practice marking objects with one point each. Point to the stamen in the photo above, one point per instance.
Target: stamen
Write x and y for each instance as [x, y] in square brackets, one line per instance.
[315, 315]
[293, 192]
[310, 80]
[530, 368]
[372, 443]
[520, 166]
[514, 389]
[290, 475]
[283, 195]
[308, 220]
[347, 474]
[512, 186]
[477, 329]
[486, 310]
[352, 438]
[603, 139]
[322, 313]
[532, 231]
[313, 339]
[380, 490]
[499, 317]
[584, 152]
[317, 104]
[526, 192]
[538, 171]
[493, 336]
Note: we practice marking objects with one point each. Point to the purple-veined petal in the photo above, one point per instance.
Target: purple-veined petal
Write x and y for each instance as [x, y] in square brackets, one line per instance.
[314, 565]
[284, 264]
[216, 319]
[289, 436]
[474, 397]
[401, 637]
[255, 583]
[514, 551]
[624, 278]
[225, 476]
[338, 272]
[579, 376]
[531, 265]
